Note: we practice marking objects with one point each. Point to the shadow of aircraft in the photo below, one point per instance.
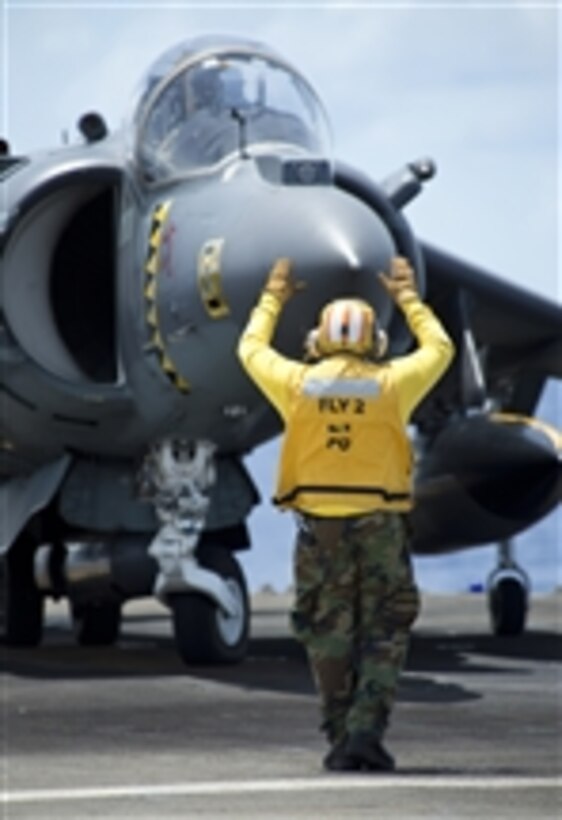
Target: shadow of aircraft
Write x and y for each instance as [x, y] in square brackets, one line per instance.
[278, 663]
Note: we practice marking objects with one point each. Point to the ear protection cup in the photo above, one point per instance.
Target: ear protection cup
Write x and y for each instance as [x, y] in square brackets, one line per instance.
[311, 352]
[380, 343]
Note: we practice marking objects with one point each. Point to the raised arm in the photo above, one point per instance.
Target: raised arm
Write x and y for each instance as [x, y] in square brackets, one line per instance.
[271, 371]
[416, 373]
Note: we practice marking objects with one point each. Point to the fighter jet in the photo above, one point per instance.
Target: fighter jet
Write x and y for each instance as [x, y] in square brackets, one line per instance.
[129, 264]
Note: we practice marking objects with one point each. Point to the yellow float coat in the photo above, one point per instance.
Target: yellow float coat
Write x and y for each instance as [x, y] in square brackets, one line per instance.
[345, 450]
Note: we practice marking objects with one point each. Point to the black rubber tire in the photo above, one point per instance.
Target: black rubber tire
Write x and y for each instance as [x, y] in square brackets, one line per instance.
[96, 624]
[21, 602]
[203, 634]
[508, 607]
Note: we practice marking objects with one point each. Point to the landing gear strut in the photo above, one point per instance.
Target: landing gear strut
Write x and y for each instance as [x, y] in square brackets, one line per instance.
[205, 587]
[508, 594]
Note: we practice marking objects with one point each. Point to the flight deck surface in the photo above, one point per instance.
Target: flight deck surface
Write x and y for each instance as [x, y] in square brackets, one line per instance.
[129, 731]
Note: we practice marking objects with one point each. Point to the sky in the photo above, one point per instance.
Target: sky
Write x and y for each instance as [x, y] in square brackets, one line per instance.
[474, 85]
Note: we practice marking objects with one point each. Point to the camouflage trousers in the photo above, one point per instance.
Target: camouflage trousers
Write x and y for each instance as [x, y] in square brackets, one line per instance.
[355, 602]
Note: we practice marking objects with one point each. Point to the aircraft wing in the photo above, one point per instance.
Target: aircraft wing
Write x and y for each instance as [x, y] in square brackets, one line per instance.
[509, 341]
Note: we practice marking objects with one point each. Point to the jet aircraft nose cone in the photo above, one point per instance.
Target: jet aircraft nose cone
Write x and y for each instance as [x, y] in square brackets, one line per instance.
[216, 264]
[336, 244]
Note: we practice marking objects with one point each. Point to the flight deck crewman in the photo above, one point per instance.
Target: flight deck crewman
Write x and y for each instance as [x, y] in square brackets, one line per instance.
[346, 471]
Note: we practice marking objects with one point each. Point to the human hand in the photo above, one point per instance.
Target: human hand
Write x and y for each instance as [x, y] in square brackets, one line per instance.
[281, 282]
[401, 284]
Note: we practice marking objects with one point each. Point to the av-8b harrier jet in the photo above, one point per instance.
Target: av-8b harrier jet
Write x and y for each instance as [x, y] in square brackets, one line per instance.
[129, 265]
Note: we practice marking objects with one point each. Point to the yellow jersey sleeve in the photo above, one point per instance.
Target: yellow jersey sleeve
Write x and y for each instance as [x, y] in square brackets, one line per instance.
[273, 373]
[417, 373]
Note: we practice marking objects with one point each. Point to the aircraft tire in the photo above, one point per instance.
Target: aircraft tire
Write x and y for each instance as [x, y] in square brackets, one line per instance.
[96, 624]
[508, 607]
[21, 602]
[203, 634]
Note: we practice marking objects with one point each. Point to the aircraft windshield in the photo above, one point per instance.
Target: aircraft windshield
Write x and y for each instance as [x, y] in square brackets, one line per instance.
[195, 111]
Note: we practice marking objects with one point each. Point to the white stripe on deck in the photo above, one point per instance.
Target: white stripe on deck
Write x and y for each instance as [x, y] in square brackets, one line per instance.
[226, 787]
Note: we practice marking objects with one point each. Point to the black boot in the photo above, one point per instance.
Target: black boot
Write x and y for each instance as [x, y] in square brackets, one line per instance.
[337, 759]
[368, 754]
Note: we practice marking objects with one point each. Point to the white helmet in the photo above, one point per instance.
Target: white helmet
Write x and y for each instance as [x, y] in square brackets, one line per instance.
[347, 326]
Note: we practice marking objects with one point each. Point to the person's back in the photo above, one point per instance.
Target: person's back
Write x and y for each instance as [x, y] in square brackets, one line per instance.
[345, 451]
[346, 471]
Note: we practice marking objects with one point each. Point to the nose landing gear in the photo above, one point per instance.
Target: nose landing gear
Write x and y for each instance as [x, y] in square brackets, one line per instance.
[203, 585]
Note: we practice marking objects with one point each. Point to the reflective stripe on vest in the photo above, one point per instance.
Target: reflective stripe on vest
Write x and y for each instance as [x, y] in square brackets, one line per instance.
[341, 387]
[345, 490]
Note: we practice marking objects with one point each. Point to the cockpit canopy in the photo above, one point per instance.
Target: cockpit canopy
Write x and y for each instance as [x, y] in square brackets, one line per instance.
[207, 100]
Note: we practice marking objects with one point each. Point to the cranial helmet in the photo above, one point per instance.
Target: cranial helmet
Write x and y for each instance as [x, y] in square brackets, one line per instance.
[347, 326]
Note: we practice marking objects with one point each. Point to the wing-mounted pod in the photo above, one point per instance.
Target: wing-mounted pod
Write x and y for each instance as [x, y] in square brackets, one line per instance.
[58, 262]
[485, 478]
[387, 200]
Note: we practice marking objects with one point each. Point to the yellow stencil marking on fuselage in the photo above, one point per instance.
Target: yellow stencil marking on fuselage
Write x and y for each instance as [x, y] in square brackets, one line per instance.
[151, 270]
[209, 279]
